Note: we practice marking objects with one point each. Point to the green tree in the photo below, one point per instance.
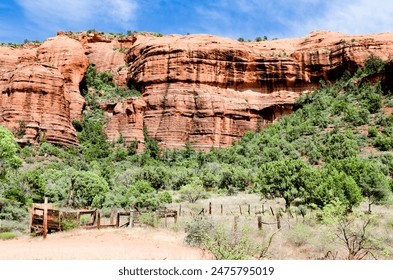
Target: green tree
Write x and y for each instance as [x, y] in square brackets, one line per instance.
[336, 186]
[8, 153]
[143, 195]
[152, 148]
[284, 179]
[374, 185]
[193, 190]
[93, 140]
[87, 189]
[34, 184]
[374, 64]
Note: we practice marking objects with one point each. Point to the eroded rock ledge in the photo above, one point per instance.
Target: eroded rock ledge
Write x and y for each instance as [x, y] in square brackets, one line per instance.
[203, 89]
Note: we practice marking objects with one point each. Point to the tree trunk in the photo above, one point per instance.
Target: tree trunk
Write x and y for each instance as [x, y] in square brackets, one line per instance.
[287, 205]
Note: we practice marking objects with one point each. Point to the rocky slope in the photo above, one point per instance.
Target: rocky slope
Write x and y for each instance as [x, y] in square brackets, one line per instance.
[199, 88]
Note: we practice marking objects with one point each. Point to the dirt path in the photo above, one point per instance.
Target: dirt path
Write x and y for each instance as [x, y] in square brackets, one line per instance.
[119, 244]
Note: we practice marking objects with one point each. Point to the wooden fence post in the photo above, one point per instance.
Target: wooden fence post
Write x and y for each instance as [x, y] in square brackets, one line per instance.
[249, 209]
[78, 217]
[210, 208]
[166, 218]
[179, 210]
[118, 219]
[98, 219]
[240, 208]
[278, 221]
[132, 217]
[112, 216]
[45, 221]
[222, 210]
[259, 222]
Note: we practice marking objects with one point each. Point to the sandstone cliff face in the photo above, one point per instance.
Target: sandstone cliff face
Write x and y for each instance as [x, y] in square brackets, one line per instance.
[198, 88]
[125, 119]
[33, 104]
[68, 56]
[210, 90]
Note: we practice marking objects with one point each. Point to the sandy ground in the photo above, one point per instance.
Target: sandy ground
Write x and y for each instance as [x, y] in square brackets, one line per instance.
[107, 244]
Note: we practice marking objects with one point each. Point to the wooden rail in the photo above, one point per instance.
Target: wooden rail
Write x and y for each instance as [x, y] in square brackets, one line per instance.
[45, 220]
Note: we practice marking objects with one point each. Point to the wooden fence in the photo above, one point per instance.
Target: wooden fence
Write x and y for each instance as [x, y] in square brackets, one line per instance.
[45, 220]
[264, 216]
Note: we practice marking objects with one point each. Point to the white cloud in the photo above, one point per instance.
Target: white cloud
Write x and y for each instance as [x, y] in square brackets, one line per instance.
[352, 17]
[293, 18]
[79, 14]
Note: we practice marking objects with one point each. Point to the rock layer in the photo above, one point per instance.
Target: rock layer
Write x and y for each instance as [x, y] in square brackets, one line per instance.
[209, 90]
[203, 89]
[33, 105]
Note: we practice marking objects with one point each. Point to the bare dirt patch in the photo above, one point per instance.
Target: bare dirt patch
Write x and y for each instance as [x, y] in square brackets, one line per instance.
[119, 244]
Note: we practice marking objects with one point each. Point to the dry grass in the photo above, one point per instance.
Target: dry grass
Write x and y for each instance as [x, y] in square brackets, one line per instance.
[300, 238]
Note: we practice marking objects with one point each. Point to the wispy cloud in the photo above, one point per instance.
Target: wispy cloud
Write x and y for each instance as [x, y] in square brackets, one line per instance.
[77, 15]
[354, 17]
[292, 18]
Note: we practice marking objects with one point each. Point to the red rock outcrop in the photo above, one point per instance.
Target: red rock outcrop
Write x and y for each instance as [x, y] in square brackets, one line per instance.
[203, 89]
[33, 105]
[125, 119]
[210, 90]
[69, 57]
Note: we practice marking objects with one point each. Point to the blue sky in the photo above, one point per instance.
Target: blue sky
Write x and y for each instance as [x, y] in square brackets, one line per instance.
[40, 19]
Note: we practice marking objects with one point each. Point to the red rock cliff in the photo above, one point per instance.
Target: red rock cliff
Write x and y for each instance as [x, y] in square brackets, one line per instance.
[210, 90]
[199, 88]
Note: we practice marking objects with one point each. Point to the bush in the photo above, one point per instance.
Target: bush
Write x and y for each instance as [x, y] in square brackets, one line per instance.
[164, 197]
[143, 195]
[48, 149]
[88, 189]
[132, 147]
[149, 219]
[68, 224]
[8, 235]
[8, 153]
[374, 65]
[372, 132]
[383, 143]
[196, 230]
[192, 191]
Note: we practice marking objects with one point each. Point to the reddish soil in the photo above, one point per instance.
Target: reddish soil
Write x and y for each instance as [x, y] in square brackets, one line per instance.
[119, 244]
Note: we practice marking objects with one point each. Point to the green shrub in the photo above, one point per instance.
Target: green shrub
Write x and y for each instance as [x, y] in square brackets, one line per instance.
[68, 224]
[68, 221]
[8, 153]
[372, 132]
[149, 219]
[196, 230]
[48, 149]
[193, 191]
[165, 197]
[374, 65]
[132, 148]
[8, 235]
[383, 143]
[120, 154]
[143, 195]
[27, 151]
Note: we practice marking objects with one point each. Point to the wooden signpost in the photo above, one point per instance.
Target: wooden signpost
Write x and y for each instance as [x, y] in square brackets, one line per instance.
[45, 221]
